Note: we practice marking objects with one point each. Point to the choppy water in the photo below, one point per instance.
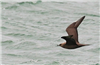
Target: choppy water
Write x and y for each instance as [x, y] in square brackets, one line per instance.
[31, 32]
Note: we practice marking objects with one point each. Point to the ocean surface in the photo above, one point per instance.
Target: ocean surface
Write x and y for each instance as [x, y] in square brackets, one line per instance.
[31, 32]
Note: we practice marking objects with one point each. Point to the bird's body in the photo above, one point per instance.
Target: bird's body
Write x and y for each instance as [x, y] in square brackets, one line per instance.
[72, 38]
[70, 46]
[70, 43]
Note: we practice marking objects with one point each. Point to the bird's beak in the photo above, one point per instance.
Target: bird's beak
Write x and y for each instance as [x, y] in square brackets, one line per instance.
[57, 45]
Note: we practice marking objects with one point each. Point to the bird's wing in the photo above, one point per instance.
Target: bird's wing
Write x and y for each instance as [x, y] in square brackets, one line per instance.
[72, 28]
[69, 40]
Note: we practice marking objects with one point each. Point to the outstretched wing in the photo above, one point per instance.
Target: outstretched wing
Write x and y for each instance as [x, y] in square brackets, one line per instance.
[72, 28]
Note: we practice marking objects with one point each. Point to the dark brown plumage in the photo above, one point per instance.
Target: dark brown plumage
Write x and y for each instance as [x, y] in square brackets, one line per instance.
[72, 38]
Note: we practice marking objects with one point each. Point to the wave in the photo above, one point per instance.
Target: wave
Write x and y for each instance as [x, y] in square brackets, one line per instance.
[22, 45]
[19, 4]
[4, 27]
[7, 42]
[19, 35]
[12, 7]
[14, 55]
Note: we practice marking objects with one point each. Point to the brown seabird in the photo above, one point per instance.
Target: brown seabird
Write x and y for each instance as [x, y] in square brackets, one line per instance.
[72, 38]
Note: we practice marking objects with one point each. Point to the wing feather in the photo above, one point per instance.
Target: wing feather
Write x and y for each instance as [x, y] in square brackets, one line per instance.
[72, 28]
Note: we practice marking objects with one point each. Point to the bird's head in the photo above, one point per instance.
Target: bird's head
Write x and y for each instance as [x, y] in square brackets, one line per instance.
[62, 44]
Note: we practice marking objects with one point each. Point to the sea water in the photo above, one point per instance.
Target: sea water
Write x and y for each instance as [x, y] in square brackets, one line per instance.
[31, 32]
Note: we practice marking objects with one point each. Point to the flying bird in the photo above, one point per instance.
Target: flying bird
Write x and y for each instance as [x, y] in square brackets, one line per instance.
[72, 38]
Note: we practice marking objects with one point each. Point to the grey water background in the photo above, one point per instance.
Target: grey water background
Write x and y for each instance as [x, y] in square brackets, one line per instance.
[32, 31]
